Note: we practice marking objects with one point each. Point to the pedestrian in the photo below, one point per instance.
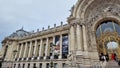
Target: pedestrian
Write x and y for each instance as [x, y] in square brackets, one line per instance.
[101, 57]
[115, 57]
[112, 56]
[107, 57]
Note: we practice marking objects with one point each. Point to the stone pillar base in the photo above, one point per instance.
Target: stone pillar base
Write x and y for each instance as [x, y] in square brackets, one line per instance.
[78, 52]
[86, 59]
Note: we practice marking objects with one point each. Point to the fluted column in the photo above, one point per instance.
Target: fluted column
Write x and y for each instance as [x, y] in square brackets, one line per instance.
[79, 37]
[35, 49]
[60, 56]
[25, 52]
[46, 49]
[20, 56]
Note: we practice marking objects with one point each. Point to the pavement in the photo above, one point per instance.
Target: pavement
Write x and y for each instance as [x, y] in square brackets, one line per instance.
[112, 64]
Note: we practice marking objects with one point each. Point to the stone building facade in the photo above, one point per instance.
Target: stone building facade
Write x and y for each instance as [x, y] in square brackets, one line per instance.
[93, 28]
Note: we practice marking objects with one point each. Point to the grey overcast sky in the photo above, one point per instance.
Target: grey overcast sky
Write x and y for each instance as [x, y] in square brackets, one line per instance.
[32, 14]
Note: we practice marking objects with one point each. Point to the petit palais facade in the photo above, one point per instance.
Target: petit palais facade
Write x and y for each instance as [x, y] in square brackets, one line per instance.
[93, 28]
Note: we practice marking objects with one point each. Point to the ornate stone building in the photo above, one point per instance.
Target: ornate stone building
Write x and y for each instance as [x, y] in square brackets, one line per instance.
[93, 28]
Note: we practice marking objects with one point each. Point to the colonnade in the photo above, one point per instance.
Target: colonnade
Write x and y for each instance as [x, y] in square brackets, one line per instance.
[37, 49]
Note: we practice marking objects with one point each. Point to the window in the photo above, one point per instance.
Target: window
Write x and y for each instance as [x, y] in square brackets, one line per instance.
[40, 66]
[34, 65]
[64, 46]
[107, 26]
[51, 49]
[19, 66]
[64, 65]
[117, 27]
[55, 65]
[38, 50]
[23, 65]
[14, 65]
[47, 65]
[28, 65]
[98, 31]
[44, 49]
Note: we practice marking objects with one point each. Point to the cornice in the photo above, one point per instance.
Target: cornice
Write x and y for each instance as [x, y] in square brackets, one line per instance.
[47, 32]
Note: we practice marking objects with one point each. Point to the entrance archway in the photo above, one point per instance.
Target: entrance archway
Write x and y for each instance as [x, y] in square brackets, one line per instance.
[108, 38]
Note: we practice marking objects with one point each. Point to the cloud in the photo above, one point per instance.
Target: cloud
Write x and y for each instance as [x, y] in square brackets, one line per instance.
[32, 14]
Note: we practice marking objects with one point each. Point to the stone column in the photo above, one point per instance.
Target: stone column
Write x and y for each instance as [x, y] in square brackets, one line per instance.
[60, 56]
[41, 48]
[46, 49]
[30, 53]
[79, 39]
[84, 38]
[72, 38]
[95, 58]
[20, 56]
[52, 57]
[35, 49]
[53, 39]
[86, 60]
[16, 55]
[25, 52]
[28, 49]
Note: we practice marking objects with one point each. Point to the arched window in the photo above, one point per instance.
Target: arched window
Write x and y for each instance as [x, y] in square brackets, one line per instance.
[107, 26]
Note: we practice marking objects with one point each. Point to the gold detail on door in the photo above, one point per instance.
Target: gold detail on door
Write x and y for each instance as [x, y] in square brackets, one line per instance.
[108, 38]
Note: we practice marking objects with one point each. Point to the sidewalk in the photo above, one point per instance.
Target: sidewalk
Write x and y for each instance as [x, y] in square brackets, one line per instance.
[112, 64]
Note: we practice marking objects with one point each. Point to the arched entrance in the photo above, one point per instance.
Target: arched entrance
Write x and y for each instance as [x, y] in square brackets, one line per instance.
[108, 38]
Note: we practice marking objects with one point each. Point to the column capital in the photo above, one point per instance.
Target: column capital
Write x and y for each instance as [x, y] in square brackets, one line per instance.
[83, 24]
[75, 21]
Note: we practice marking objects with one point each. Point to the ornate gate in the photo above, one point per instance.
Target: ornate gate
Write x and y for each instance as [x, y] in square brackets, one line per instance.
[108, 38]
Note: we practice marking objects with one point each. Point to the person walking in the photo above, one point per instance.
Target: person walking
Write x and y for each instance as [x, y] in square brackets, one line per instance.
[112, 56]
